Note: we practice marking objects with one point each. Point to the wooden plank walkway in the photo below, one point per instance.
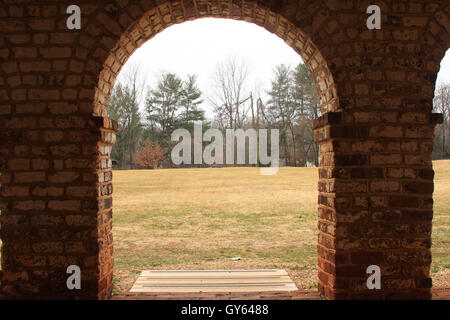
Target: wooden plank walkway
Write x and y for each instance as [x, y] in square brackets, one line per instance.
[213, 281]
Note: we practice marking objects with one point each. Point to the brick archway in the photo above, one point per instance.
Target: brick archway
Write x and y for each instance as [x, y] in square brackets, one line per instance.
[155, 20]
[376, 177]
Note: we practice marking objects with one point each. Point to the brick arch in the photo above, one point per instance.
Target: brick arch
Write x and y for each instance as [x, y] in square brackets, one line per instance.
[110, 59]
[155, 20]
[438, 38]
[375, 201]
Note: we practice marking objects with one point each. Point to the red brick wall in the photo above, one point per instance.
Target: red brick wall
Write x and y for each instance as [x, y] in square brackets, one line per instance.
[376, 178]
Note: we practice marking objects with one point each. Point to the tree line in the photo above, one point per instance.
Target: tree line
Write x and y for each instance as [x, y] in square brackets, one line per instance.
[290, 105]
[144, 138]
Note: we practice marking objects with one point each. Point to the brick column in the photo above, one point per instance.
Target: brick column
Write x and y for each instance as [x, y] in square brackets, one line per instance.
[375, 203]
[56, 197]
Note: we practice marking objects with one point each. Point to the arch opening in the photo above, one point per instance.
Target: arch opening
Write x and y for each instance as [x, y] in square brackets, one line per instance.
[306, 205]
[166, 15]
[440, 267]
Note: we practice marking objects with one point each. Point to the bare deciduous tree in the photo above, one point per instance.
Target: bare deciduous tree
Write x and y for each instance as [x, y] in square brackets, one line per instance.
[442, 105]
[124, 108]
[282, 109]
[231, 93]
[136, 79]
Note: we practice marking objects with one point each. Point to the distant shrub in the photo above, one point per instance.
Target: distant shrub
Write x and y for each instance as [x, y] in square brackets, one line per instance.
[150, 156]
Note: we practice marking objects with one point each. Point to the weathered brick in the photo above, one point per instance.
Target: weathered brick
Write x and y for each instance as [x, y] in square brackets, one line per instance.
[63, 177]
[47, 191]
[43, 94]
[62, 108]
[5, 109]
[21, 123]
[350, 160]
[385, 186]
[81, 192]
[53, 136]
[13, 191]
[35, 66]
[367, 173]
[416, 243]
[372, 257]
[417, 215]
[48, 247]
[418, 187]
[65, 151]
[25, 52]
[375, 135]
[64, 205]
[29, 177]
[29, 205]
[42, 24]
[386, 159]
[420, 160]
[79, 220]
[384, 243]
[19, 164]
[75, 247]
[31, 108]
[55, 52]
[403, 201]
[31, 261]
[40, 164]
[386, 215]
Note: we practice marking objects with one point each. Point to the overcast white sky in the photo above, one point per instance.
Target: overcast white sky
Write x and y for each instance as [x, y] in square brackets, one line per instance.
[196, 47]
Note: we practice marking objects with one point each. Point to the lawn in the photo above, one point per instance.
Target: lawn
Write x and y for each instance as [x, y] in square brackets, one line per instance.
[203, 218]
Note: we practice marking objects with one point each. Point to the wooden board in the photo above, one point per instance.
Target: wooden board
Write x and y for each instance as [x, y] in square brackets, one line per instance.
[211, 273]
[213, 281]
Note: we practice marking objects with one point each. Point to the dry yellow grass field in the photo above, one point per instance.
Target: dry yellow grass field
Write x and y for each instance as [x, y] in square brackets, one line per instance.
[202, 218]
